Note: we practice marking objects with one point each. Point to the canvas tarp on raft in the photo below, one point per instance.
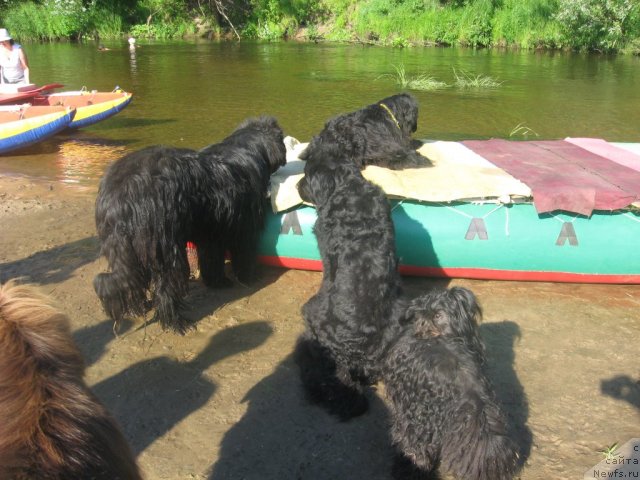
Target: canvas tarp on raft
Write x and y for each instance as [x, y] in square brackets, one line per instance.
[457, 173]
[576, 175]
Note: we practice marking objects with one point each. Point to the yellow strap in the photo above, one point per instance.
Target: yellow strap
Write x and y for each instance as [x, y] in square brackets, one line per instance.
[390, 114]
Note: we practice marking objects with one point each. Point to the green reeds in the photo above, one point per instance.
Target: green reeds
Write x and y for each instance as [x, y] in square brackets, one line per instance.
[419, 82]
[522, 131]
[424, 81]
[467, 80]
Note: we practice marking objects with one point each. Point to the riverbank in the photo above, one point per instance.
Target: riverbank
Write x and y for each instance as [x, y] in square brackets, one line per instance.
[612, 26]
[224, 401]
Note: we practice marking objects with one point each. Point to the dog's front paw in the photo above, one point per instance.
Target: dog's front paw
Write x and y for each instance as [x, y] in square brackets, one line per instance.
[408, 159]
[404, 469]
[354, 406]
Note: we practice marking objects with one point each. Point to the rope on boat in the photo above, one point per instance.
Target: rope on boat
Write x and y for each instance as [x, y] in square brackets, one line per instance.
[557, 217]
[498, 207]
[632, 217]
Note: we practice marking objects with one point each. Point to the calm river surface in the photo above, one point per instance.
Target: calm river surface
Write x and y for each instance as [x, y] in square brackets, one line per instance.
[190, 94]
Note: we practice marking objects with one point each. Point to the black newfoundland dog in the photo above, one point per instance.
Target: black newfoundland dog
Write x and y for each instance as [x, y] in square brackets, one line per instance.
[442, 405]
[152, 202]
[348, 319]
[360, 330]
[52, 427]
[379, 134]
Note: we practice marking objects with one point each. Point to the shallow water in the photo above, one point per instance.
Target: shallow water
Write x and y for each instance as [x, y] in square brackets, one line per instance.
[191, 94]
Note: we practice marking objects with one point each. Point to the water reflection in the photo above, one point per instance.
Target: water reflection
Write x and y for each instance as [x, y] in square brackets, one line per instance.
[132, 59]
[84, 161]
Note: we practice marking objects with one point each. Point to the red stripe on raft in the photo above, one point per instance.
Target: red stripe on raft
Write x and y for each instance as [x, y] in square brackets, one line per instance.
[475, 273]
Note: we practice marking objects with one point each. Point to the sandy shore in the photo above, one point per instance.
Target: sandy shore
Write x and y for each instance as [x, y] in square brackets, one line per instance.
[224, 401]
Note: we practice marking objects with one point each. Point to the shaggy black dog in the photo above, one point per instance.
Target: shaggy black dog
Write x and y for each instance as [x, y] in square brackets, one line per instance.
[152, 202]
[443, 409]
[347, 320]
[379, 134]
[51, 426]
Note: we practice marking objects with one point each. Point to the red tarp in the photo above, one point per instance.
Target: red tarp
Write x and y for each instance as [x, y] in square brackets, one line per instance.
[563, 176]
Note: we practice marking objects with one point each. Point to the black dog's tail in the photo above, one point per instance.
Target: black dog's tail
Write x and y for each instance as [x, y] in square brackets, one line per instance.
[480, 448]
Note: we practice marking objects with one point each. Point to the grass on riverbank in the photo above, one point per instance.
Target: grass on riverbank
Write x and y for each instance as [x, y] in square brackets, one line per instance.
[609, 26]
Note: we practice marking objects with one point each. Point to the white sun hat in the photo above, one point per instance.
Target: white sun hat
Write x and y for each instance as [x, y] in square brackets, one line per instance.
[4, 35]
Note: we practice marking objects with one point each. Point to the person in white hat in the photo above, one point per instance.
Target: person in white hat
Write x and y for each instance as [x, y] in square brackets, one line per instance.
[13, 60]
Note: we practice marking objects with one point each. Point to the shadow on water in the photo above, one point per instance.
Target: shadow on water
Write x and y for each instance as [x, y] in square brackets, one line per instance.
[622, 387]
[500, 339]
[283, 437]
[151, 396]
[52, 266]
[117, 123]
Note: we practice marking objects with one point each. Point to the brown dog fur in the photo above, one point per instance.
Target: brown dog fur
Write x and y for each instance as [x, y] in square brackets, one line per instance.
[51, 426]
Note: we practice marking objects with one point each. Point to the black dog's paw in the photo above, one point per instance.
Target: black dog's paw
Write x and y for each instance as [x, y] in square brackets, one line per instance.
[408, 159]
[347, 404]
[216, 281]
[321, 383]
[223, 282]
[176, 323]
[404, 469]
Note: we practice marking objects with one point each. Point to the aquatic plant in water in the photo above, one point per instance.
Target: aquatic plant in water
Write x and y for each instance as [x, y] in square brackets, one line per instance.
[419, 82]
[467, 80]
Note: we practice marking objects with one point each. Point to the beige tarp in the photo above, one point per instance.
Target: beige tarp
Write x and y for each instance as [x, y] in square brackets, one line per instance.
[457, 174]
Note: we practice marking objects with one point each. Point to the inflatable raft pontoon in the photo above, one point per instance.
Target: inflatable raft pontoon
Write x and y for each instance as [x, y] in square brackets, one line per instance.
[561, 211]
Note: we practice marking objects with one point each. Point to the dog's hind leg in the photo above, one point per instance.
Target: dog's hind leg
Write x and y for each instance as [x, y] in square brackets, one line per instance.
[321, 379]
[171, 286]
[405, 469]
[211, 259]
[243, 256]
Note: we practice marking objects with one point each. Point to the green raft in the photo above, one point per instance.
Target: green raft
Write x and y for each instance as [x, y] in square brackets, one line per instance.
[499, 242]
[585, 228]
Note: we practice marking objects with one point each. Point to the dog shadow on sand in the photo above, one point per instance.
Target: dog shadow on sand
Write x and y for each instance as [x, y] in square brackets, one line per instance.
[150, 397]
[499, 339]
[92, 340]
[282, 436]
[622, 387]
[52, 266]
[202, 301]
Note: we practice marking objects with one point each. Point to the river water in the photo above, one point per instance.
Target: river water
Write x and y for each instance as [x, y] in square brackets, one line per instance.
[193, 93]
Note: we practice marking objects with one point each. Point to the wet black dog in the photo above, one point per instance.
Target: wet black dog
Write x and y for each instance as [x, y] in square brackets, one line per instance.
[52, 427]
[378, 134]
[152, 202]
[442, 405]
[348, 319]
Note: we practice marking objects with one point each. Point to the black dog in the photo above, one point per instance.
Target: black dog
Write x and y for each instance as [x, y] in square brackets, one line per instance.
[348, 319]
[379, 134]
[442, 405]
[52, 427]
[152, 202]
